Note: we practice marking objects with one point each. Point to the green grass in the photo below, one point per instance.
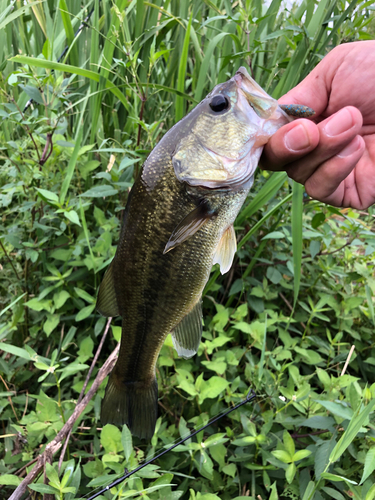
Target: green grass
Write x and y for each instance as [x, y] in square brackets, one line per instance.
[282, 321]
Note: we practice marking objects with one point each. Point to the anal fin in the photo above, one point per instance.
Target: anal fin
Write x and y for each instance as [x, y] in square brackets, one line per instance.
[187, 335]
[106, 303]
[225, 250]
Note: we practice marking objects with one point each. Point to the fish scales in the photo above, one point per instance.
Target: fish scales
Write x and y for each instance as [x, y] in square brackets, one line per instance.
[178, 222]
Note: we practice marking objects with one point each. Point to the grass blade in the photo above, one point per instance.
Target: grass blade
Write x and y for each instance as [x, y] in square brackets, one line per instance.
[73, 50]
[259, 224]
[351, 432]
[71, 167]
[297, 211]
[180, 101]
[268, 191]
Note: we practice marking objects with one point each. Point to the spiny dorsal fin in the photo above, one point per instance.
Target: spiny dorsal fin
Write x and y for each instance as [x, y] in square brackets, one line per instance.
[106, 302]
[187, 335]
[189, 226]
[225, 250]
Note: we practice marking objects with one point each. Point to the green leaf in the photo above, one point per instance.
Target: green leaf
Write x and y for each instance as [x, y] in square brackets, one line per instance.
[73, 217]
[274, 235]
[42, 63]
[110, 438]
[100, 192]
[290, 472]
[283, 456]
[85, 312]
[336, 478]
[52, 474]
[288, 443]
[48, 196]
[230, 470]
[371, 493]
[84, 295]
[356, 422]
[369, 464]
[336, 408]
[60, 298]
[309, 491]
[38, 304]
[10, 480]
[43, 488]
[212, 388]
[17, 351]
[126, 440]
[51, 323]
[301, 454]
[86, 348]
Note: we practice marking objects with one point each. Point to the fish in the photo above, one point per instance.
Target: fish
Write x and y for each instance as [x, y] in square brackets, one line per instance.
[177, 223]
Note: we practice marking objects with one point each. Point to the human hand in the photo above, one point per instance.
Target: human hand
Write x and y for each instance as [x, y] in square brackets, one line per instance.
[334, 155]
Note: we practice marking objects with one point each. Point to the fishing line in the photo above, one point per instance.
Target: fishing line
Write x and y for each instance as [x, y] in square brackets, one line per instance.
[250, 397]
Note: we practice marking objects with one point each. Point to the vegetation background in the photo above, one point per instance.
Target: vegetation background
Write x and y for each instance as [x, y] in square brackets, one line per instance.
[299, 295]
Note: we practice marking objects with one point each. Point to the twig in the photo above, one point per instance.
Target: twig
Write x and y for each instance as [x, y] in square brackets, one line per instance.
[55, 444]
[9, 398]
[10, 262]
[291, 308]
[47, 460]
[84, 386]
[49, 146]
[347, 360]
[27, 128]
[19, 472]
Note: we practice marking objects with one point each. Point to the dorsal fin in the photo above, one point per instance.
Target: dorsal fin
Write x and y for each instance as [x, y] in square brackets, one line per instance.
[187, 335]
[225, 250]
[189, 226]
[106, 303]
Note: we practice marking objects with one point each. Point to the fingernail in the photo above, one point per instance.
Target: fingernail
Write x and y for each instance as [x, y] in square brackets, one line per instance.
[297, 139]
[339, 123]
[350, 148]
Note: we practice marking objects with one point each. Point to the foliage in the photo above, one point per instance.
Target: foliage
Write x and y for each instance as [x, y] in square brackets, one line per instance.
[285, 329]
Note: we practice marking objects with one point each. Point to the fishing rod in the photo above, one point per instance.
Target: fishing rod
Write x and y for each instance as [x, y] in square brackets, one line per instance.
[250, 397]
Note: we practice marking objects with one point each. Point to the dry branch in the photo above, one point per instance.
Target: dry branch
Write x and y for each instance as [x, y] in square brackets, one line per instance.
[85, 386]
[55, 444]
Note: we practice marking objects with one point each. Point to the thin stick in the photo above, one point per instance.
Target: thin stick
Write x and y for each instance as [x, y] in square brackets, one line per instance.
[55, 444]
[347, 360]
[9, 398]
[85, 385]
[10, 262]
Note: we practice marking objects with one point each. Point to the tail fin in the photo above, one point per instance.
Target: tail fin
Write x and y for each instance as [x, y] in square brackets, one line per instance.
[132, 403]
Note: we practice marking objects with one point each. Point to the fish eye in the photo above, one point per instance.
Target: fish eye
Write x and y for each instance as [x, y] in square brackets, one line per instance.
[219, 103]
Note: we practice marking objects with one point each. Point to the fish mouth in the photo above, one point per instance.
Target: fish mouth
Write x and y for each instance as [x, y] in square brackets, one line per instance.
[263, 105]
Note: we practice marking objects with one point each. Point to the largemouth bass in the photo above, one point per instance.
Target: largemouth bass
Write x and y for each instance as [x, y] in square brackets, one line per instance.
[178, 222]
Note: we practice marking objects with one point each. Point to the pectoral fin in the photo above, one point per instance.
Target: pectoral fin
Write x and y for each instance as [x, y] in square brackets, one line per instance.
[106, 302]
[189, 226]
[187, 335]
[226, 249]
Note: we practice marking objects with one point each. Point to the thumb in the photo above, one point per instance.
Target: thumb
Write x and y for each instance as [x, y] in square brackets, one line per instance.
[313, 91]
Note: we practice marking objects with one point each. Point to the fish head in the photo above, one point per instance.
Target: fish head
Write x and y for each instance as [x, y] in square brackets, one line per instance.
[227, 132]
